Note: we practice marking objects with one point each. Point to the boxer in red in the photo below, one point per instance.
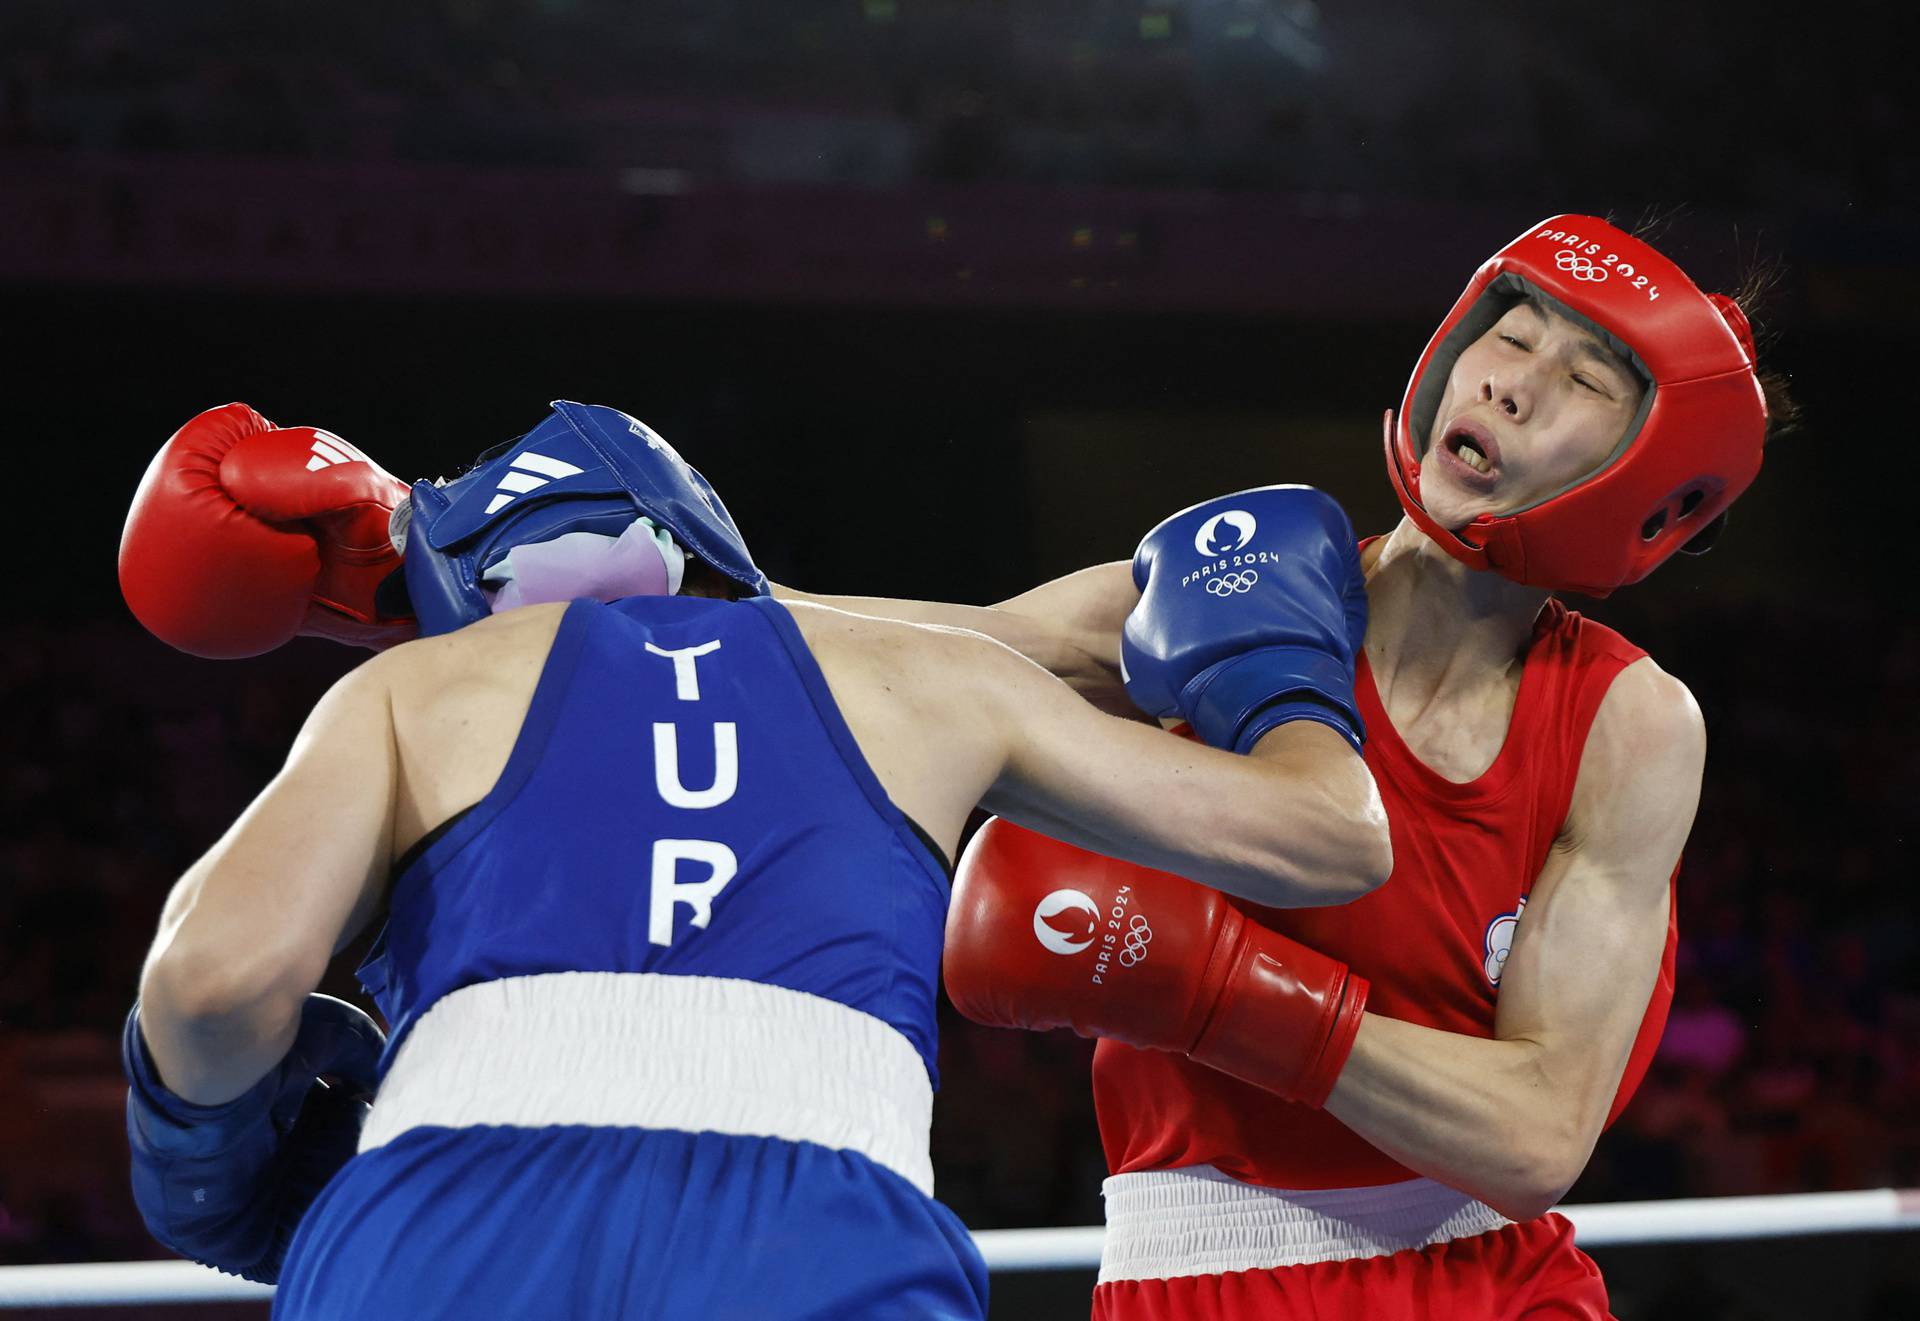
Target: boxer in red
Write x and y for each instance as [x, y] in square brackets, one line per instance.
[1391, 1147]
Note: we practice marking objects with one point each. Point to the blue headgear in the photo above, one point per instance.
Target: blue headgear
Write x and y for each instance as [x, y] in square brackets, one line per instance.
[587, 468]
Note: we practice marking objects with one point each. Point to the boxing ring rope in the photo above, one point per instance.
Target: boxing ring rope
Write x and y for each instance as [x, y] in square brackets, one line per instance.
[1596, 1225]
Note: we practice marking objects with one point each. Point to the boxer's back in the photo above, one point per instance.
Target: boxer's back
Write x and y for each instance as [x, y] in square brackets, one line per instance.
[681, 929]
[459, 705]
[682, 797]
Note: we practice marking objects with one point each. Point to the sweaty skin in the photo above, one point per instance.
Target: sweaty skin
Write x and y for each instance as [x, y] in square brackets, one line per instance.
[947, 720]
[1512, 1120]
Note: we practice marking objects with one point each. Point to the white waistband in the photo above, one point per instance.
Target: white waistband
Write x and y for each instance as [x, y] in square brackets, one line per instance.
[1197, 1221]
[643, 1050]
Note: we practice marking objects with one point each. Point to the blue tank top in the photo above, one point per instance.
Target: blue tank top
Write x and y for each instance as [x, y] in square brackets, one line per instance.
[683, 798]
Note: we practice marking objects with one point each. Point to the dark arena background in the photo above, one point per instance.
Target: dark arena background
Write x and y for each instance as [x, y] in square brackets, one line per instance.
[949, 297]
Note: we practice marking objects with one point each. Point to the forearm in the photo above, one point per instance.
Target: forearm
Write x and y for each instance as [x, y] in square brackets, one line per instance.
[1294, 825]
[1485, 1116]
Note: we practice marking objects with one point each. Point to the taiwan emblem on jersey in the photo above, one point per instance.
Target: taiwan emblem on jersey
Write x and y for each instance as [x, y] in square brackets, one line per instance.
[1500, 941]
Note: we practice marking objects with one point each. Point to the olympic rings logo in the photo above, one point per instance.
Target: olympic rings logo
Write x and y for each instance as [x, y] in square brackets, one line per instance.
[1227, 584]
[1134, 947]
[1580, 268]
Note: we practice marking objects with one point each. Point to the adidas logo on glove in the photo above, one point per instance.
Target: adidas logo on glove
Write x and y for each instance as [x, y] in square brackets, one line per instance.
[329, 449]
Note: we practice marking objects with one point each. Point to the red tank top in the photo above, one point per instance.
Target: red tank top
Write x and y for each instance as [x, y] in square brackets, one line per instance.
[1431, 940]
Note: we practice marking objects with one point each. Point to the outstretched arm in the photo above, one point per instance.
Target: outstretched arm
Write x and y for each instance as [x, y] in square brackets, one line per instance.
[1070, 626]
[951, 719]
[1513, 1120]
[1245, 673]
[1297, 823]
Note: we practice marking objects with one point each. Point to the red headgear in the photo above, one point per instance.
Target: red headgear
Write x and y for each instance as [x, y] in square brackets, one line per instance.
[1693, 448]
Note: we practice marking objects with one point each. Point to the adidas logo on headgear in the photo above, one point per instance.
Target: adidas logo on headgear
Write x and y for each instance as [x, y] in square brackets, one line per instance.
[530, 472]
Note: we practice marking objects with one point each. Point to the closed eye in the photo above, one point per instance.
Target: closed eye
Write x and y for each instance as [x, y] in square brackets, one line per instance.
[1518, 344]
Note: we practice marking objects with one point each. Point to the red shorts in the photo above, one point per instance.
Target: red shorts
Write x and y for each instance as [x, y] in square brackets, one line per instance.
[1528, 1272]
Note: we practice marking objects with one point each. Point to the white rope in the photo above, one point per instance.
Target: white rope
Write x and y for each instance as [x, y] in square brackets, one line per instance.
[1041, 1249]
[1598, 1224]
[1595, 1225]
[123, 1282]
[1702, 1219]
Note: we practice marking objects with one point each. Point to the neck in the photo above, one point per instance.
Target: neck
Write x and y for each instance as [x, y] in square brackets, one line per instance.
[1435, 623]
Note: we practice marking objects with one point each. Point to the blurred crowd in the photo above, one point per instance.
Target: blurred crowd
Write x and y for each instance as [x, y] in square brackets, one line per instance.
[1453, 99]
[1792, 1056]
[1792, 1060]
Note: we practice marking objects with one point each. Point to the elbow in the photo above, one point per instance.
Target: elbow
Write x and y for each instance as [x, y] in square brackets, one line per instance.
[1538, 1178]
[1357, 875]
[1359, 847]
[1373, 839]
[1372, 852]
[1282, 879]
[205, 992]
[1333, 846]
[1361, 859]
[1524, 1202]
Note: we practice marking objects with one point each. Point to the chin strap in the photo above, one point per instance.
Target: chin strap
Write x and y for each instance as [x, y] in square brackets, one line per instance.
[1474, 557]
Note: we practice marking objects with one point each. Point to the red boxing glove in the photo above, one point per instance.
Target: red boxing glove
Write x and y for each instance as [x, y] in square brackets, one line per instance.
[1041, 934]
[244, 534]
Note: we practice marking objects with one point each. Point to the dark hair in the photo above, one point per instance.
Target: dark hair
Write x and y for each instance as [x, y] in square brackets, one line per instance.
[1756, 291]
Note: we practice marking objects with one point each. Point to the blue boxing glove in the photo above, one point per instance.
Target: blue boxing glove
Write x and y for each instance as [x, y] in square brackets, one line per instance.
[227, 1184]
[1252, 609]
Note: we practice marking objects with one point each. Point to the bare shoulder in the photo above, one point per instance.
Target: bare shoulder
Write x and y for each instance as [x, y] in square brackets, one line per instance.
[502, 651]
[1644, 754]
[457, 703]
[1649, 712]
[922, 701]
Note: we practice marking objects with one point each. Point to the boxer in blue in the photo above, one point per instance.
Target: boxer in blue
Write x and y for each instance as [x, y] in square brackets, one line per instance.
[660, 881]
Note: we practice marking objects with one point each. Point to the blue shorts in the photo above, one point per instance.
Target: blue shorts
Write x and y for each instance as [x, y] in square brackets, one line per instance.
[601, 1223]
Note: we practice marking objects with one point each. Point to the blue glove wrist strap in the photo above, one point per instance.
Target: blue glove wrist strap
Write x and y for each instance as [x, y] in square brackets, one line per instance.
[197, 1170]
[1270, 718]
[175, 1126]
[1234, 702]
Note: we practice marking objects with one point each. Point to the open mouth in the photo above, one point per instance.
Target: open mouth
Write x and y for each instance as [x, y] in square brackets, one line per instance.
[1474, 453]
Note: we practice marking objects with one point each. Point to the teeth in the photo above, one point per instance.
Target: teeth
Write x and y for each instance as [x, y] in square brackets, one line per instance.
[1472, 457]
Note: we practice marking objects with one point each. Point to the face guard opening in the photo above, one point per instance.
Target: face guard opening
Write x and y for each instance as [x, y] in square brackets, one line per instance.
[1693, 446]
[1506, 292]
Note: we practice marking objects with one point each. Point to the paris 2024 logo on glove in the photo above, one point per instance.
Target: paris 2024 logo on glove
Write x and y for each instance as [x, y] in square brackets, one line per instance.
[1064, 921]
[1222, 542]
[1069, 921]
[1224, 533]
